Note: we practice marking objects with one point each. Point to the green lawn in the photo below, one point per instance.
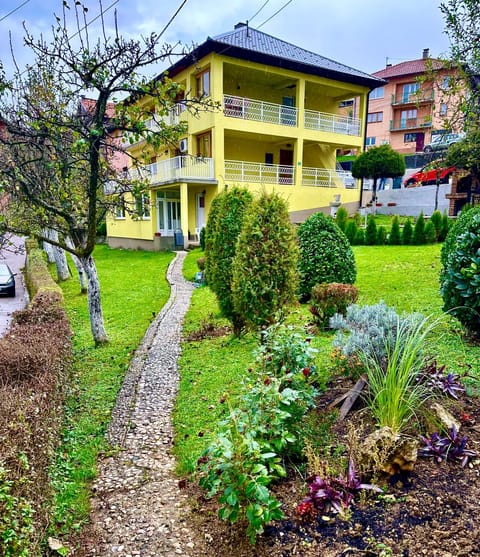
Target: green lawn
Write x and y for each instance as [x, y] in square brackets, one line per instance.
[405, 277]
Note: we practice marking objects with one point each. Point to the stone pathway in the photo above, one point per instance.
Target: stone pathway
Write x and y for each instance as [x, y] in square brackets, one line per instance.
[137, 508]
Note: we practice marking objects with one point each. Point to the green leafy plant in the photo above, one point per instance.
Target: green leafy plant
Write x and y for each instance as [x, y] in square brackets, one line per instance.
[371, 231]
[381, 238]
[245, 456]
[436, 219]
[341, 218]
[202, 238]
[407, 233]
[351, 231]
[430, 232]
[264, 274]
[460, 275]
[325, 254]
[418, 237]
[328, 299]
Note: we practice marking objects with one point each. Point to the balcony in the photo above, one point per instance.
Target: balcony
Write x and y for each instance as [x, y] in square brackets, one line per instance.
[409, 124]
[255, 172]
[420, 97]
[326, 122]
[177, 169]
[326, 178]
[153, 124]
[259, 111]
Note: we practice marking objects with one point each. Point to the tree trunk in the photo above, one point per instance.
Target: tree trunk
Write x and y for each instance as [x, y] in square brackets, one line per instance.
[48, 248]
[78, 265]
[374, 198]
[63, 272]
[94, 301]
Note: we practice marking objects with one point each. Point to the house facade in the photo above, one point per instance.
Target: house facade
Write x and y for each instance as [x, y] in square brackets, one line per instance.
[278, 127]
[410, 109]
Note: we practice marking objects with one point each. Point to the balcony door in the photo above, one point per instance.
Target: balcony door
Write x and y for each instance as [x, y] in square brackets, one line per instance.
[168, 212]
[286, 166]
[288, 114]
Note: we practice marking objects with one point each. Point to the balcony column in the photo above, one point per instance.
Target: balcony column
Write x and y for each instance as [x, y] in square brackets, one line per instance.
[184, 212]
[362, 113]
[301, 102]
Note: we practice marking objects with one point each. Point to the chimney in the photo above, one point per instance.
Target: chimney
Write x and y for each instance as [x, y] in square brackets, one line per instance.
[426, 52]
[240, 24]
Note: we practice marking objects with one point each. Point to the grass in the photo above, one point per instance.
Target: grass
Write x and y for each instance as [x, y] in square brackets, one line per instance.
[134, 289]
[405, 277]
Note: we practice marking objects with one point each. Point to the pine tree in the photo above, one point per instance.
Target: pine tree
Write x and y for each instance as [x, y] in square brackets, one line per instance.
[436, 219]
[371, 231]
[430, 234]
[351, 231]
[394, 238]
[341, 218]
[407, 233]
[381, 236]
[419, 230]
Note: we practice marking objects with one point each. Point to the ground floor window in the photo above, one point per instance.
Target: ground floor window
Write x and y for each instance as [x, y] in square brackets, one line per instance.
[168, 212]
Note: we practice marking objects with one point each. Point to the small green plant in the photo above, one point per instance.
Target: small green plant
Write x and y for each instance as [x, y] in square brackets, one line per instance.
[360, 237]
[407, 233]
[341, 218]
[418, 237]
[394, 238]
[325, 254]
[430, 232]
[16, 520]
[351, 231]
[381, 239]
[329, 299]
[371, 231]
[246, 455]
[436, 219]
[446, 222]
[202, 238]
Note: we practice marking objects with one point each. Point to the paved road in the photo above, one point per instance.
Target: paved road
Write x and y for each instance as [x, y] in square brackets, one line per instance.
[8, 305]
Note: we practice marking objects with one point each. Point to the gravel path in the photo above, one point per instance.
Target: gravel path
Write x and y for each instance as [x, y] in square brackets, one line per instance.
[138, 506]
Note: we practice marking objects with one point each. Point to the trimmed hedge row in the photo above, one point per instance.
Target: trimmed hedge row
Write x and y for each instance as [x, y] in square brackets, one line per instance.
[34, 360]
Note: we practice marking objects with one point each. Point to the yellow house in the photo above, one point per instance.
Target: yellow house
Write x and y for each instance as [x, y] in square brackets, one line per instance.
[278, 127]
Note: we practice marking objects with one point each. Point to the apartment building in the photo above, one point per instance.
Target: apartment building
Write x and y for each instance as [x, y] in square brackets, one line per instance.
[280, 124]
[409, 110]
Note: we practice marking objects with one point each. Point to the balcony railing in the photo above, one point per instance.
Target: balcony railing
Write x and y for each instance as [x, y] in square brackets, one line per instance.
[259, 111]
[325, 122]
[326, 178]
[177, 169]
[409, 124]
[413, 98]
[152, 124]
[255, 172]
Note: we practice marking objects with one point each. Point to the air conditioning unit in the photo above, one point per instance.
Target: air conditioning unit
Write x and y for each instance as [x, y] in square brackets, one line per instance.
[183, 145]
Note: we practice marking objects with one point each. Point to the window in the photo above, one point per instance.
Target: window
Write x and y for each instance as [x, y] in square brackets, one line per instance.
[204, 145]
[120, 208]
[410, 137]
[409, 91]
[377, 93]
[203, 83]
[369, 141]
[446, 82]
[268, 158]
[168, 212]
[142, 206]
[408, 118]
[373, 117]
[344, 104]
[443, 109]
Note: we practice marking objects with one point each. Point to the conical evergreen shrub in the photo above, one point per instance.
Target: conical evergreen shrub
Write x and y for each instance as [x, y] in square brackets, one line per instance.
[419, 230]
[371, 231]
[407, 233]
[394, 238]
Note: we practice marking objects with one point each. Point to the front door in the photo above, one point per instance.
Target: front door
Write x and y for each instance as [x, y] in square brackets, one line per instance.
[286, 166]
[419, 142]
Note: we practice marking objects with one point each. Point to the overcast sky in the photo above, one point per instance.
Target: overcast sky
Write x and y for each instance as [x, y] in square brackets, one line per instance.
[362, 34]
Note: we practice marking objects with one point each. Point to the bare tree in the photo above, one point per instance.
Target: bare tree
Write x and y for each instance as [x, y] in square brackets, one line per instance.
[56, 161]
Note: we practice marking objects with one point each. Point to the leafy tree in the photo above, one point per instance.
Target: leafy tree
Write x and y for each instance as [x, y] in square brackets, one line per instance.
[233, 205]
[56, 161]
[407, 233]
[325, 254]
[378, 162]
[264, 277]
[394, 238]
[465, 154]
[371, 231]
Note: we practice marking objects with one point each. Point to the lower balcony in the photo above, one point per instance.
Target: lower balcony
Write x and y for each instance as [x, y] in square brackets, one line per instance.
[409, 124]
[183, 168]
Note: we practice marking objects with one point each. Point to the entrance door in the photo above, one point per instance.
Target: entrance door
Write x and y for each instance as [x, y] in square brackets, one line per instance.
[286, 166]
[419, 142]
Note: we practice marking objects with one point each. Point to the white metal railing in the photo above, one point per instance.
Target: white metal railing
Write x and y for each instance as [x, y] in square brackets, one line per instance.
[260, 111]
[323, 121]
[179, 168]
[241, 171]
[327, 178]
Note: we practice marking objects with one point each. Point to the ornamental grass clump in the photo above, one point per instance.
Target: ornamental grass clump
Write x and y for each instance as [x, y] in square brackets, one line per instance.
[395, 393]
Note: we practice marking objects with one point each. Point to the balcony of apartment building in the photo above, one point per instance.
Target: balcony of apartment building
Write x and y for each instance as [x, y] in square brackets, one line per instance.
[182, 168]
[418, 97]
[271, 98]
[154, 123]
[402, 124]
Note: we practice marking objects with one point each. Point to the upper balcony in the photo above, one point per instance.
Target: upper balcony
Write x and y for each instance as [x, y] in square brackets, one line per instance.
[153, 124]
[403, 124]
[271, 113]
[177, 169]
[420, 97]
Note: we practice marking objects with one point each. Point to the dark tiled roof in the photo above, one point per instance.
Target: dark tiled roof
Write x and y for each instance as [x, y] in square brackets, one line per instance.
[411, 67]
[249, 44]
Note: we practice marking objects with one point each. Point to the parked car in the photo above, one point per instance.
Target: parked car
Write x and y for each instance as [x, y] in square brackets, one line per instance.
[7, 280]
[442, 141]
[428, 175]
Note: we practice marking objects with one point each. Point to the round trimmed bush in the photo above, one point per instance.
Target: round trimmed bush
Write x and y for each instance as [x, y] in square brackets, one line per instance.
[325, 254]
[460, 274]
